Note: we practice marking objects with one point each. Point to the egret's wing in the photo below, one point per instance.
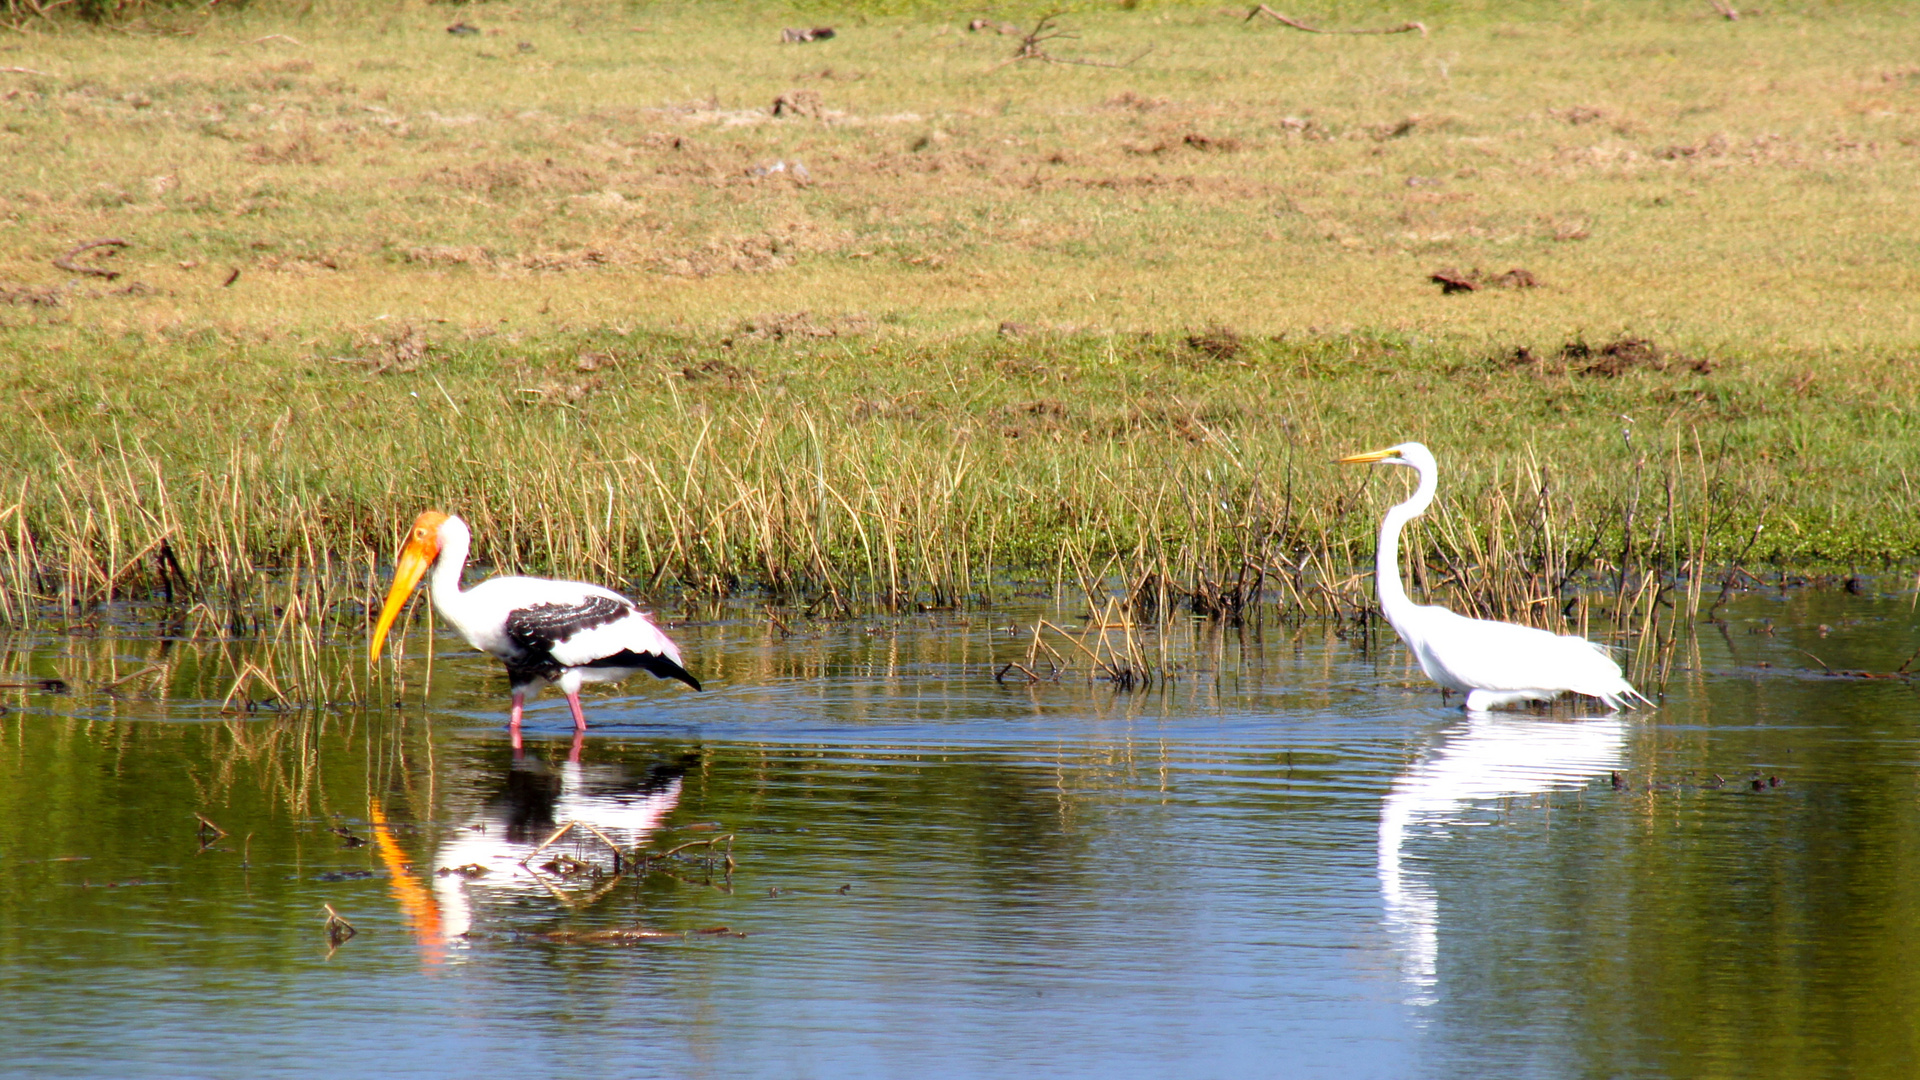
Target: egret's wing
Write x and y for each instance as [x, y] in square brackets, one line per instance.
[1499, 656]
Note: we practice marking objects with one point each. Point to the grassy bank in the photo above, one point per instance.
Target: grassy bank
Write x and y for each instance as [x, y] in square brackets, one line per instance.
[858, 463]
[986, 317]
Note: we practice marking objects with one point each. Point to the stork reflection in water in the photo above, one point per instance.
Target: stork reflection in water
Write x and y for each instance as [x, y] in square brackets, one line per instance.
[504, 850]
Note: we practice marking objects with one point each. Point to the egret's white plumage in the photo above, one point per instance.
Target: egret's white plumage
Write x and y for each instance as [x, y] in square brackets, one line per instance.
[1493, 663]
[565, 633]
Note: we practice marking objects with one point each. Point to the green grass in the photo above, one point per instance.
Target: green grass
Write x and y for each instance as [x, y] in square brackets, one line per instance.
[545, 287]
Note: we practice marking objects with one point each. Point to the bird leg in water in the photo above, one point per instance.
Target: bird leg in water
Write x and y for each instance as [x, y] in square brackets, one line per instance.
[513, 719]
[579, 718]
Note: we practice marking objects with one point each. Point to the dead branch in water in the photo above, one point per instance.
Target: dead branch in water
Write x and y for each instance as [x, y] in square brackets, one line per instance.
[65, 262]
[1263, 9]
[648, 858]
[1125, 666]
[567, 828]
[611, 846]
[338, 929]
[1015, 665]
[247, 704]
[208, 832]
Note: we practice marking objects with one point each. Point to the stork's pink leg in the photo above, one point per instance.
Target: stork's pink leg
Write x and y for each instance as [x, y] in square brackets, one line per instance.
[513, 718]
[579, 718]
[573, 752]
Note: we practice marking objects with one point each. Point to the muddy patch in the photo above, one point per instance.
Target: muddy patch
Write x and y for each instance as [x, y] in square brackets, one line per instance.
[1619, 357]
[775, 249]
[781, 326]
[1458, 281]
[1217, 343]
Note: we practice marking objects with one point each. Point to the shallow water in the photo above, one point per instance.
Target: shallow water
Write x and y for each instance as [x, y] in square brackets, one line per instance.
[1293, 860]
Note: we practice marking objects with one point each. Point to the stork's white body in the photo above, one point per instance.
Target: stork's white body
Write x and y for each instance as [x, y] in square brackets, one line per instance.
[481, 615]
[546, 632]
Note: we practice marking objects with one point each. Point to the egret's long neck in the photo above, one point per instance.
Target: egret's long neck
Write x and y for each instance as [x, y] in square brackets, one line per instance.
[444, 586]
[1386, 567]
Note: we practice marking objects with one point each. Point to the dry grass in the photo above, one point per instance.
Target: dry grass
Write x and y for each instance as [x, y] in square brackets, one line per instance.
[1745, 188]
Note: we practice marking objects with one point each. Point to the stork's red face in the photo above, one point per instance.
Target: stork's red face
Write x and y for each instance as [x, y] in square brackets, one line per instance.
[421, 548]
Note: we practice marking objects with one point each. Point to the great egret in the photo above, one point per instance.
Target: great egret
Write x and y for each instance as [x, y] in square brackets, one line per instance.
[545, 631]
[1493, 663]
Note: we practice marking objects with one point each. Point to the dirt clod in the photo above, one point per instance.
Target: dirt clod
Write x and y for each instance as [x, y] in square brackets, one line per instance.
[732, 374]
[799, 103]
[781, 326]
[1453, 281]
[1218, 342]
[1222, 144]
[28, 295]
[1609, 361]
[1578, 114]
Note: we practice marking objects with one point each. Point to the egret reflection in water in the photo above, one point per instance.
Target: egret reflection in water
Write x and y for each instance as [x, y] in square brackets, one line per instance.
[1489, 757]
[509, 847]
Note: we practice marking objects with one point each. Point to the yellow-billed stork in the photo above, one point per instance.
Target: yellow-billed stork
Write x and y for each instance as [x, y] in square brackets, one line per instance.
[545, 631]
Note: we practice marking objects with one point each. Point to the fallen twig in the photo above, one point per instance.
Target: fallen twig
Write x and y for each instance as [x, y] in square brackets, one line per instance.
[1823, 664]
[278, 37]
[548, 842]
[65, 262]
[1902, 669]
[648, 858]
[1263, 9]
[1015, 665]
[23, 71]
[208, 832]
[1725, 10]
[1101, 664]
[564, 830]
[1044, 31]
[130, 676]
[338, 929]
[611, 846]
[248, 669]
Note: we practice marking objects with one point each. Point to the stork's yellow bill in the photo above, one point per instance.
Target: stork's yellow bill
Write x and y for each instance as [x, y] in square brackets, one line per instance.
[416, 557]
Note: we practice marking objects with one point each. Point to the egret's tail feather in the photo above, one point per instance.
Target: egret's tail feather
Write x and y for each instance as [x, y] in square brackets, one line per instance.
[1624, 696]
